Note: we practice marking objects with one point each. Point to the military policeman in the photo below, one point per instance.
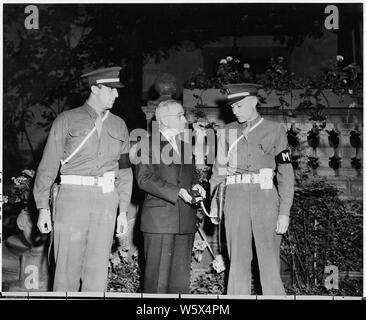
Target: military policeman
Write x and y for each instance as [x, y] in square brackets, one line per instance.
[92, 146]
[252, 153]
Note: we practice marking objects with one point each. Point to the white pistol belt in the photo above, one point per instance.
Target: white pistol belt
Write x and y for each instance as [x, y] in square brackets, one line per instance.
[106, 182]
[264, 178]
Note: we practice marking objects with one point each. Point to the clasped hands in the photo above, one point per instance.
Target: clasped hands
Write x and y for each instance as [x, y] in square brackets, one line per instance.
[184, 194]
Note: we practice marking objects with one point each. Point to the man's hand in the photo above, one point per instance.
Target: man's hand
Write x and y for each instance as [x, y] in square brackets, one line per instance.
[282, 224]
[183, 193]
[122, 224]
[44, 221]
[200, 189]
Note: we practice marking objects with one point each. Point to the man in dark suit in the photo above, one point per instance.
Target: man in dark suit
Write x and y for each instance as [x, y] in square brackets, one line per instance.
[168, 222]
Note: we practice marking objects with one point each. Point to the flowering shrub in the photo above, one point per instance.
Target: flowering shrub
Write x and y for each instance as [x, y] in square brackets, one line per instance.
[19, 210]
[124, 274]
[232, 70]
[343, 80]
[278, 78]
[210, 282]
[20, 189]
[218, 264]
[199, 247]
[15, 204]
[229, 70]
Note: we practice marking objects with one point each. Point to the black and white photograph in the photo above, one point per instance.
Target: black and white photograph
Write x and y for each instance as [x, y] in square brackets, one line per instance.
[182, 150]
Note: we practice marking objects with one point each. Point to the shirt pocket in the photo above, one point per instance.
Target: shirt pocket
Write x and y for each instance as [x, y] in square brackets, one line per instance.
[115, 142]
[265, 148]
[74, 138]
[265, 153]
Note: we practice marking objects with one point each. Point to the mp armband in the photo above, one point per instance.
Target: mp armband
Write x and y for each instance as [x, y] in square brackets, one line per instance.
[124, 161]
[283, 157]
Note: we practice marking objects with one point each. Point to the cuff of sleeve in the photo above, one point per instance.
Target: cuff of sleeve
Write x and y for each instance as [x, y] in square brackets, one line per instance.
[285, 209]
[176, 196]
[43, 205]
[123, 207]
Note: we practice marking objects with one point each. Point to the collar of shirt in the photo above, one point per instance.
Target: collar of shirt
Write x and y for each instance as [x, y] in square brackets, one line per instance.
[170, 135]
[92, 111]
[252, 122]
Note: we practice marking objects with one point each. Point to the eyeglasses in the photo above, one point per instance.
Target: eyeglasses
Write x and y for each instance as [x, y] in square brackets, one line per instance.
[181, 115]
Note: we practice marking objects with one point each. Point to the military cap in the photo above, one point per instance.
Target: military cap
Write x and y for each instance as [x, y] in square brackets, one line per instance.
[239, 91]
[106, 76]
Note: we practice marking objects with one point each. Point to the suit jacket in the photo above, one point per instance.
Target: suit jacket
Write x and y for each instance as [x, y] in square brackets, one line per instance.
[163, 210]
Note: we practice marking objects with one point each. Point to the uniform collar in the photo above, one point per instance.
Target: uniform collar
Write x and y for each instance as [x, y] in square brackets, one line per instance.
[91, 111]
[252, 122]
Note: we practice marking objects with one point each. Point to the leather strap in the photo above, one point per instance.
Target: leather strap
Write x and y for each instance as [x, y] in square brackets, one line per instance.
[82, 142]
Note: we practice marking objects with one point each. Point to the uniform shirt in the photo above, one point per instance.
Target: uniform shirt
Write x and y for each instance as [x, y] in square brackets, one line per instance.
[98, 155]
[248, 155]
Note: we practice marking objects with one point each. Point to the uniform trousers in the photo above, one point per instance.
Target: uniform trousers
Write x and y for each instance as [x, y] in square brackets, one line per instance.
[252, 212]
[83, 234]
[168, 262]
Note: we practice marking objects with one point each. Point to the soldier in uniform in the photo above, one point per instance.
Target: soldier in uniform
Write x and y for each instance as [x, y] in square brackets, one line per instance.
[92, 146]
[252, 153]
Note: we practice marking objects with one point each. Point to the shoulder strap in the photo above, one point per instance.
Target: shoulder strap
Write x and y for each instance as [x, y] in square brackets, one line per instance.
[82, 142]
[237, 140]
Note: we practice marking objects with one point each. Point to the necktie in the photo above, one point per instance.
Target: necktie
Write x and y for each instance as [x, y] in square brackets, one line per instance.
[173, 142]
[98, 124]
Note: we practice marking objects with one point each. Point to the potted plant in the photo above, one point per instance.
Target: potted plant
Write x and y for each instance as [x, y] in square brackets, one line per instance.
[201, 91]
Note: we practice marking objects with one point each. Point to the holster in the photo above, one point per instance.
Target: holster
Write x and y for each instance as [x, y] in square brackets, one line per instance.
[220, 199]
[53, 196]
